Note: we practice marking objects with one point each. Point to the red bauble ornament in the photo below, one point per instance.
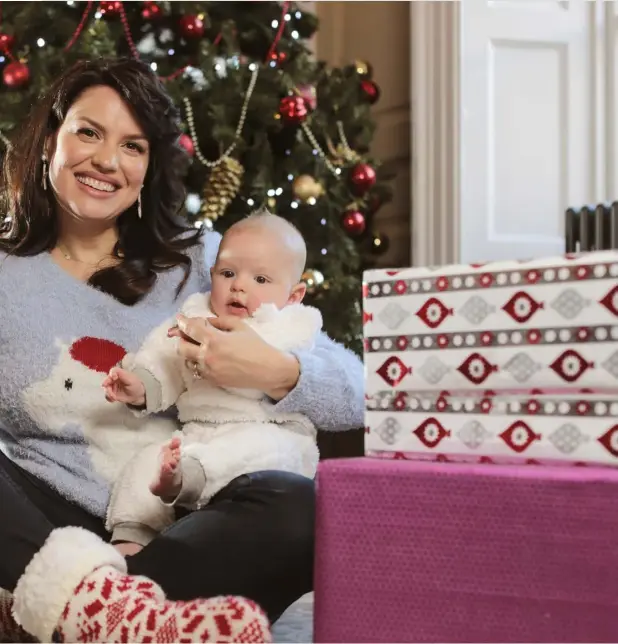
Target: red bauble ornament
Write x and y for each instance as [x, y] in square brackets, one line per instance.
[16, 74]
[363, 177]
[370, 91]
[354, 222]
[191, 27]
[6, 43]
[186, 142]
[308, 92]
[151, 11]
[293, 109]
[110, 8]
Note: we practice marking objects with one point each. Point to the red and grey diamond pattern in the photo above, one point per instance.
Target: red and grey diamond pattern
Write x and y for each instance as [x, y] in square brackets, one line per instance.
[495, 360]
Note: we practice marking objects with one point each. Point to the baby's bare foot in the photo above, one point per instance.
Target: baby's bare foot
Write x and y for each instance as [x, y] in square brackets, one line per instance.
[168, 482]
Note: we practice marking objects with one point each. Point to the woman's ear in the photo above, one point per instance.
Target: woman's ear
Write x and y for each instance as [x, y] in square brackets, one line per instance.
[49, 146]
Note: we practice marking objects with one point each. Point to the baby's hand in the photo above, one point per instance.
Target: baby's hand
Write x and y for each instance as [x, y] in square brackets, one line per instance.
[125, 387]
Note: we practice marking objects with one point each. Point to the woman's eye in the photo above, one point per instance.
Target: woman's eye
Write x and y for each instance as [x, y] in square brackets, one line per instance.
[135, 146]
[88, 132]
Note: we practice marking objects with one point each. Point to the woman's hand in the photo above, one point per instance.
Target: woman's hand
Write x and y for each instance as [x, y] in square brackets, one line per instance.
[229, 353]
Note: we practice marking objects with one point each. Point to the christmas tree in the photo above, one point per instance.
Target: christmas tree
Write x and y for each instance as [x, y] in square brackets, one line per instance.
[265, 123]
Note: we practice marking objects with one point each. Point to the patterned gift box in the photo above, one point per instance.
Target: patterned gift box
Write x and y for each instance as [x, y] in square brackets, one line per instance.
[499, 362]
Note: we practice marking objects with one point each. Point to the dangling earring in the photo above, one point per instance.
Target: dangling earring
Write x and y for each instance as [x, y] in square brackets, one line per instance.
[139, 205]
[44, 177]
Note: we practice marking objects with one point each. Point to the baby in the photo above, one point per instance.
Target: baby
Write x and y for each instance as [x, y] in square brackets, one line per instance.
[226, 432]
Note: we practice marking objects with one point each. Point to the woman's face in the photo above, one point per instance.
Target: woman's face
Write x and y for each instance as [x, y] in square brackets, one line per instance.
[98, 157]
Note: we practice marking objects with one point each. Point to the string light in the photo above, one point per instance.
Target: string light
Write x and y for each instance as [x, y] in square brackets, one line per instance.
[323, 222]
[98, 15]
[40, 42]
[203, 223]
[290, 177]
[153, 66]
[295, 35]
[193, 203]
[279, 191]
[274, 24]
[294, 205]
[324, 251]
[298, 15]
[170, 52]
[252, 67]
[250, 202]
[311, 201]
[288, 17]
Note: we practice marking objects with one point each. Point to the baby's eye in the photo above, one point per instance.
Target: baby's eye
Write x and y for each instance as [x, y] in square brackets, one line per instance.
[260, 279]
[227, 274]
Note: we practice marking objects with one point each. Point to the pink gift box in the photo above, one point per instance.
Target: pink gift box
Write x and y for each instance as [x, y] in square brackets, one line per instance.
[419, 552]
[506, 362]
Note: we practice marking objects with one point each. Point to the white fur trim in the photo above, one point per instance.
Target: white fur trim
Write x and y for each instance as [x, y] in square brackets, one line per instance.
[295, 326]
[131, 500]
[42, 592]
[230, 450]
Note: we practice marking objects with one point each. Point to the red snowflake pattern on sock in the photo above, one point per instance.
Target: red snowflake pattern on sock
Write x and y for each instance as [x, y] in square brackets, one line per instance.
[112, 607]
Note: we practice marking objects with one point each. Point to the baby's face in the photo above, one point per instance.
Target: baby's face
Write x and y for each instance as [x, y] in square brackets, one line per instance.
[252, 269]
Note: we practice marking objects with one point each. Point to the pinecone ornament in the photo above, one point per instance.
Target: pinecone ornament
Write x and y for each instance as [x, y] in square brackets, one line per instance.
[222, 186]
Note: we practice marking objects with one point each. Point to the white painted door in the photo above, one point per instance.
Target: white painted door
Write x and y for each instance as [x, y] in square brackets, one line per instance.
[527, 124]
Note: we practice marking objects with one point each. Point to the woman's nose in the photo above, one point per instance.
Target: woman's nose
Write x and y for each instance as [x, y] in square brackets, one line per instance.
[106, 158]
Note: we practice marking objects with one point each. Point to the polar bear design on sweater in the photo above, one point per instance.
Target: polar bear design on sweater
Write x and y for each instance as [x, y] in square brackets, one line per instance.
[72, 396]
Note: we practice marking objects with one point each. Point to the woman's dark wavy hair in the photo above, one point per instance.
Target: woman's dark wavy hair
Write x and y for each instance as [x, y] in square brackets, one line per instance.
[156, 242]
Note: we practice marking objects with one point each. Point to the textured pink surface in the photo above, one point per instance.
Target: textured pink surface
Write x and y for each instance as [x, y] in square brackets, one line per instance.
[425, 552]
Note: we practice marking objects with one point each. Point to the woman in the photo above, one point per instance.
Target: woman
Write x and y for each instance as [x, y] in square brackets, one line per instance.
[91, 259]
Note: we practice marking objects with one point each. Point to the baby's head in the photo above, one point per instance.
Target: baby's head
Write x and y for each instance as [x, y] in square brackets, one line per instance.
[260, 261]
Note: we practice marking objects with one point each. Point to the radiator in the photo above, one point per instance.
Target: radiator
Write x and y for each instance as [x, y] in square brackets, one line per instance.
[591, 228]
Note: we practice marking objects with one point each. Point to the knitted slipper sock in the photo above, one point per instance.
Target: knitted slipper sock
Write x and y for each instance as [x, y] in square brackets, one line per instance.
[76, 589]
[10, 631]
[108, 606]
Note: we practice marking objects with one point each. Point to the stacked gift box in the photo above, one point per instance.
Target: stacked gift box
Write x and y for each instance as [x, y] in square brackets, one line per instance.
[467, 520]
[503, 362]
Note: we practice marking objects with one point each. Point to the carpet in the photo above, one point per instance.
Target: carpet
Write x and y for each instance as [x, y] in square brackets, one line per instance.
[295, 626]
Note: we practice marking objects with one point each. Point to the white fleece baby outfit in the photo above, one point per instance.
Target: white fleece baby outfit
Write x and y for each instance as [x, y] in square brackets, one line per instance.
[226, 432]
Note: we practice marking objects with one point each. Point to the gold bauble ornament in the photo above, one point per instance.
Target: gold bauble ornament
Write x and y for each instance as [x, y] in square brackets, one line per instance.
[305, 187]
[362, 68]
[222, 186]
[313, 280]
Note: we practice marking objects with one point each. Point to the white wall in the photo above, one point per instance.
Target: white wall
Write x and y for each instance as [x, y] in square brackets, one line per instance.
[379, 32]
